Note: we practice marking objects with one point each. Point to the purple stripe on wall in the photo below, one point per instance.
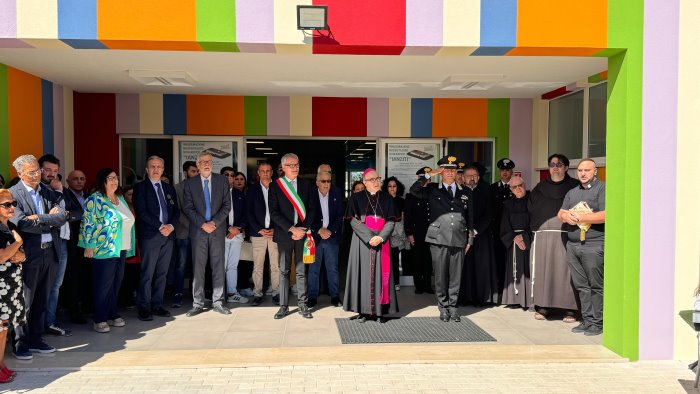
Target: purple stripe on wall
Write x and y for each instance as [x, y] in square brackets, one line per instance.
[657, 248]
[520, 138]
[255, 21]
[127, 109]
[377, 117]
[423, 23]
[58, 130]
[278, 116]
[8, 19]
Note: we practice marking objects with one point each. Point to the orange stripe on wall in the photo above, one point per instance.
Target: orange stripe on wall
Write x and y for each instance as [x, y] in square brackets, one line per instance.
[24, 107]
[563, 23]
[215, 115]
[460, 117]
[585, 52]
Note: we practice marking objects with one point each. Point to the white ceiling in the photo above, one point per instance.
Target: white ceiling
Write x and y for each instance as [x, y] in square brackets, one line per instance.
[255, 74]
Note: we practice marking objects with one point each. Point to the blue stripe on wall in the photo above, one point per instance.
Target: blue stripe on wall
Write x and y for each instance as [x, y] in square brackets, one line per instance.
[174, 114]
[499, 20]
[47, 116]
[491, 51]
[422, 118]
[77, 24]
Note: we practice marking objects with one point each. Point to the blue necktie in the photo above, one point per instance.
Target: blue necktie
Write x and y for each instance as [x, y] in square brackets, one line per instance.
[207, 201]
[161, 200]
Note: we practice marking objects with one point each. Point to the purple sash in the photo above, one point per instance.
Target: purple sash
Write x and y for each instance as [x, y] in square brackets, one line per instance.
[377, 224]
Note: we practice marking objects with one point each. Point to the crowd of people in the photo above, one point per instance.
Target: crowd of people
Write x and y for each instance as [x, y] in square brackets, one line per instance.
[484, 244]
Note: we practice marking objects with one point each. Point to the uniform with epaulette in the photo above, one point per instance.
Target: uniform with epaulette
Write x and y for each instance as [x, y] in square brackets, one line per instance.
[416, 222]
[501, 192]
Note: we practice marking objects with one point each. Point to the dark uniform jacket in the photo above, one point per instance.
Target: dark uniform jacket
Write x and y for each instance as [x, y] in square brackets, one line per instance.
[416, 217]
[450, 219]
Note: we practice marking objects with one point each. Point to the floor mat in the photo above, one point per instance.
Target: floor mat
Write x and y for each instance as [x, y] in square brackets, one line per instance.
[411, 330]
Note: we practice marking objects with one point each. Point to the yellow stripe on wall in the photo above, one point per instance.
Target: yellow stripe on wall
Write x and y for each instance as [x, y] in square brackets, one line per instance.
[399, 117]
[461, 23]
[37, 19]
[151, 113]
[300, 121]
[287, 38]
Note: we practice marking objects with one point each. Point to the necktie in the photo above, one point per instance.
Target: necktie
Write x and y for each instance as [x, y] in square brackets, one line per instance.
[452, 193]
[207, 201]
[161, 200]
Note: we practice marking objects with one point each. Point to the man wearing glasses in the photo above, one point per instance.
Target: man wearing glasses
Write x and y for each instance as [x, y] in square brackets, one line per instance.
[450, 233]
[292, 213]
[39, 218]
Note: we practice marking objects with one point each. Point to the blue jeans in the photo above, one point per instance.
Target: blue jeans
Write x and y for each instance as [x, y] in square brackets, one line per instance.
[178, 265]
[326, 254]
[232, 250]
[107, 275]
[60, 272]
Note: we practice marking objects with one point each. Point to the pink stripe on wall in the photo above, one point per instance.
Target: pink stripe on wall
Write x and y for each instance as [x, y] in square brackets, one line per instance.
[659, 138]
[520, 138]
[423, 27]
[128, 114]
[278, 116]
[8, 19]
[59, 149]
[377, 117]
[255, 30]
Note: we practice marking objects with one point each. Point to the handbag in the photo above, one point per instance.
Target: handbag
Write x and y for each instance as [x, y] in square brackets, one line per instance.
[398, 237]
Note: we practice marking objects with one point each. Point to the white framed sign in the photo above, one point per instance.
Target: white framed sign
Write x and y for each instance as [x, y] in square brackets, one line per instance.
[403, 157]
[224, 151]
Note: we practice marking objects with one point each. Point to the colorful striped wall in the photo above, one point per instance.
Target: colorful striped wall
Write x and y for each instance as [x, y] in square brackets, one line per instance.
[32, 119]
[365, 27]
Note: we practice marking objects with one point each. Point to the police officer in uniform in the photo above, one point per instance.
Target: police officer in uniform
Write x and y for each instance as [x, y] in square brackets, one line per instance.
[501, 192]
[450, 232]
[416, 221]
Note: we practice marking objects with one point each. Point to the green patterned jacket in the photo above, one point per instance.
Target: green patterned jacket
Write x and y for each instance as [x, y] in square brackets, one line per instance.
[101, 228]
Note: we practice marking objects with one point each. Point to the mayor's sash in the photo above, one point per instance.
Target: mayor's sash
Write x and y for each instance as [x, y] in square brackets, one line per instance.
[294, 199]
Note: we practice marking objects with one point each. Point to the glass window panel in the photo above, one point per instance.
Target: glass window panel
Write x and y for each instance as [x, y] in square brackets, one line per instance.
[597, 103]
[134, 153]
[566, 125]
[469, 152]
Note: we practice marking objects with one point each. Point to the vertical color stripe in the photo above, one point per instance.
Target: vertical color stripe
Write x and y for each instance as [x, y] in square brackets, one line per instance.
[68, 131]
[255, 25]
[659, 112]
[339, 116]
[557, 23]
[287, 37]
[95, 121]
[498, 27]
[216, 25]
[175, 114]
[216, 115]
[47, 116]
[400, 117]
[278, 117]
[8, 20]
[77, 23]
[520, 138]
[37, 19]
[424, 23]
[24, 113]
[300, 121]
[4, 124]
[456, 117]
[461, 23]
[377, 117]
[255, 115]
[499, 125]
[421, 118]
[151, 113]
[58, 121]
[128, 114]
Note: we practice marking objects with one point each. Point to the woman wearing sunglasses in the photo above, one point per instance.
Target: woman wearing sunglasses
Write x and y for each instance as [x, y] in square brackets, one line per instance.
[11, 258]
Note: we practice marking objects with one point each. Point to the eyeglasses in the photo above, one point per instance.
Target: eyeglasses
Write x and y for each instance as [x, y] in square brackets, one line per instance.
[324, 181]
[471, 176]
[205, 162]
[377, 179]
[292, 165]
[32, 174]
[520, 186]
[113, 178]
[7, 205]
[558, 165]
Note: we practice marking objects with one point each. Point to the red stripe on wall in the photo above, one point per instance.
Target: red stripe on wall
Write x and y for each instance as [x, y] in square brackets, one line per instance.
[339, 116]
[95, 134]
[555, 93]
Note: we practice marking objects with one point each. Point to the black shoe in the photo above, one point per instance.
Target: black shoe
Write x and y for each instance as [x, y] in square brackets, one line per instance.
[455, 317]
[58, 331]
[593, 331]
[335, 301]
[430, 291]
[582, 327]
[160, 311]
[311, 303]
[177, 300]
[256, 301]
[305, 312]
[282, 312]
[444, 315]
[362, 318]
[145, 315]
[382, 319]
[276, 299]
[221, 309]
[196, 310]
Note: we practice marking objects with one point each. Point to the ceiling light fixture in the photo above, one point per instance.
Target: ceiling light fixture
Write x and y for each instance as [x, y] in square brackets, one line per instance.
[162, 77]
[270, 153]
[254, 142]
[257, 148]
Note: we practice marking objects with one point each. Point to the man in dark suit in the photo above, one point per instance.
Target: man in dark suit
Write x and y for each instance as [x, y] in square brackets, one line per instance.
[292, 213]
[501, 192]
[38, 217]
[207, 204]
[449, 233]
[157, 213]
[416, 222]
[78, 279]
[327, 230]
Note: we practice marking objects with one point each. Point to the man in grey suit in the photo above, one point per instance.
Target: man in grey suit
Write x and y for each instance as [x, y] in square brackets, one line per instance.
[207, 204]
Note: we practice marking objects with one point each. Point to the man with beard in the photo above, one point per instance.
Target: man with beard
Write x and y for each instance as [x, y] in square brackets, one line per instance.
[479, 283]
[501, 192]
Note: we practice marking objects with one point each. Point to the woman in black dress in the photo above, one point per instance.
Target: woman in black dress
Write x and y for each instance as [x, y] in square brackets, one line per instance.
[11, 258]
[396, 189]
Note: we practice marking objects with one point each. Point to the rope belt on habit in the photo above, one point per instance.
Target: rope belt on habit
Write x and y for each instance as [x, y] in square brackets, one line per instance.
[533, 258]
[515, 266]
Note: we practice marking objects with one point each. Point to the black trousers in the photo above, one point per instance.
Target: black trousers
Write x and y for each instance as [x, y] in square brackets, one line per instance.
[76, 291]
[447, 263]
[286, 249]
[422, 265]
[586, 265]
[39, 274]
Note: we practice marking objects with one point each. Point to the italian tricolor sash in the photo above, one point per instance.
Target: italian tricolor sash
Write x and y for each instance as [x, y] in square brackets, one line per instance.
[291, 194]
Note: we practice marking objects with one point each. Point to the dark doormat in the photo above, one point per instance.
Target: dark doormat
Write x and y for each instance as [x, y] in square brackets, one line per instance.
[411, 330]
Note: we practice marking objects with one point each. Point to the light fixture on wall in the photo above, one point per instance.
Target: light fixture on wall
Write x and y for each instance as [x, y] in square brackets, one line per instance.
[312, 17]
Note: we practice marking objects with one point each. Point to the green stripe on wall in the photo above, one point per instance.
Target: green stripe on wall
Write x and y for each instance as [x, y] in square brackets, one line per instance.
[623, 194]
[255, 111]
[4, 125]
[498, 125]
[216, 25]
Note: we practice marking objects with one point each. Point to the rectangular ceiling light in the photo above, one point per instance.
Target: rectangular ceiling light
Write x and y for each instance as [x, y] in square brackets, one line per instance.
[312, 17]
[254, 142]
[256, 148]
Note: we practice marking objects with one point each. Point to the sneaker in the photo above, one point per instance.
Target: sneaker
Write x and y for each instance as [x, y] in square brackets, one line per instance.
[41, 347]
[57, 331]
[593, 331]
[294, 289]
[101, 327]
[247, 292]
[21, 351]
[118, 322]
[582, 327]
[177, 300]
[237, 298]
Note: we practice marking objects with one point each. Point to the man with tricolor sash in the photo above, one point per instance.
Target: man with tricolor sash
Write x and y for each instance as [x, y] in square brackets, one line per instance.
[292, 215]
